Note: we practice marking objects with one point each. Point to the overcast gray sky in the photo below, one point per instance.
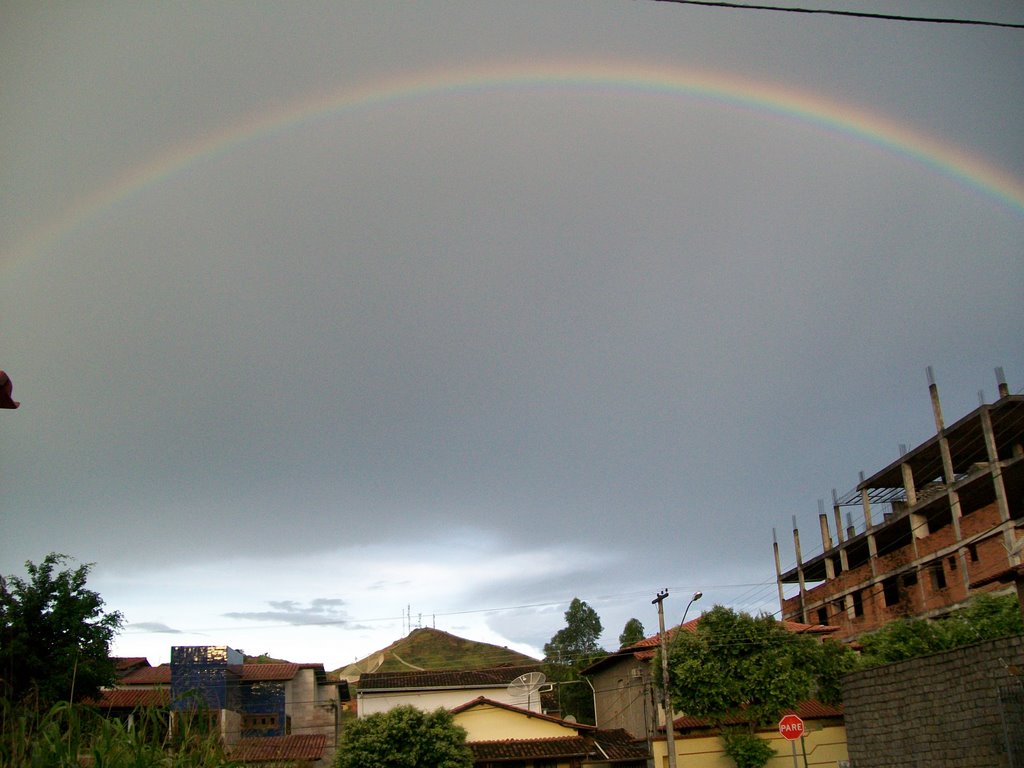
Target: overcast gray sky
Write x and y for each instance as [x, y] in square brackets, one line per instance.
[327, 312]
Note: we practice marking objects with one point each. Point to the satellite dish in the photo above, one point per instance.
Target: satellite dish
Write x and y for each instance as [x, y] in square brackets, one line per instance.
[524, 686]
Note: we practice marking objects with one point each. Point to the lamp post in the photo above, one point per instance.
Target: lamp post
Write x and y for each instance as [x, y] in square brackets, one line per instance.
[696, 596]
[670, 734]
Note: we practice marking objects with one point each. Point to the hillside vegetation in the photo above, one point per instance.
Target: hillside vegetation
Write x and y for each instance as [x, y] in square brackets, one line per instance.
[433, 649]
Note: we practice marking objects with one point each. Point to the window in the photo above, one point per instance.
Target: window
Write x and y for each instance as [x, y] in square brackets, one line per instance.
[938, 575]
[823, 615]
[952, 562]
[910, 579]
[972, 550]
[260, 721]
[891, 591]
[858, 604]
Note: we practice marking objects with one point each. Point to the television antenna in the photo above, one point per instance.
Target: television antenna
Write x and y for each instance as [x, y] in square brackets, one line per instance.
[524, 686]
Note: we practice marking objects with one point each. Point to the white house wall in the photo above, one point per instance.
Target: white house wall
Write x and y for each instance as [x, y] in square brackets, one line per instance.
[428, 701]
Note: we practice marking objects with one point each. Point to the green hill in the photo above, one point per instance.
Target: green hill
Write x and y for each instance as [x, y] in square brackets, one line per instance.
[427, 648]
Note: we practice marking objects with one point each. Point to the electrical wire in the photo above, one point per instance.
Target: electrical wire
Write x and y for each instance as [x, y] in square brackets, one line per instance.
[849, 14]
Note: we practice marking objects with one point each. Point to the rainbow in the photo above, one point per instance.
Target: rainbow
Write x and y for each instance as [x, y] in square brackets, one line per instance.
[788, 103]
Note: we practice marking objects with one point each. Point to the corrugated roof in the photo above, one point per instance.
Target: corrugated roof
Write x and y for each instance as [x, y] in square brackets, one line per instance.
[265, 749]
[421, 679]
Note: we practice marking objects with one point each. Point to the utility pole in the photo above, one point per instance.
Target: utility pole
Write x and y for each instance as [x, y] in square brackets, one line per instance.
[670, 732]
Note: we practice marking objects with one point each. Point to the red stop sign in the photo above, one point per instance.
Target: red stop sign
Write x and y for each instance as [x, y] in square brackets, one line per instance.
[791, 727]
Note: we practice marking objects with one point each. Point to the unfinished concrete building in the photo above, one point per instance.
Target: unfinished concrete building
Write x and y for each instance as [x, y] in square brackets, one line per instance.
[941, 524]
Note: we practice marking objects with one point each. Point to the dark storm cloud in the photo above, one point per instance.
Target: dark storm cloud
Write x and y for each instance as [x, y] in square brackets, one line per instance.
[622, 334]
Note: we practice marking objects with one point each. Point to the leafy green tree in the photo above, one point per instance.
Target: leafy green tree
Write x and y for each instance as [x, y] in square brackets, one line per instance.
[54, 635]
[736, 664]
[578, 639]
[985, 617]
[570, 650]
[901, 639]
[633, 632]
[404, 737]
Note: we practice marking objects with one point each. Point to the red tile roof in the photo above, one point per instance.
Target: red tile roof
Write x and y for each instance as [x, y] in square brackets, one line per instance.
[265, 749]
[484, 701]
[132, 698]
[268, 672]
[124, 664]
[248, 672]
[615, 745]
[148, 676]
[808, 710]
[647, 648]
[421, 679]
[526, 749]
[621, 745]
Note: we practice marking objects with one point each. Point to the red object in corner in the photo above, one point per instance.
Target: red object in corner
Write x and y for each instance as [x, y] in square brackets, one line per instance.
[5, 392]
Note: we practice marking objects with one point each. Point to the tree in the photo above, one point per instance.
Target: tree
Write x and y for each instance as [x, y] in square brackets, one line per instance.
[404, 737]
[633, 632]
[54, 635]
[578, 640]
[570, 650]
[985, 617]
[736, 664]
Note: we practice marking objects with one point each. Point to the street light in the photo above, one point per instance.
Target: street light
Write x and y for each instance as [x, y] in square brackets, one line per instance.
[696, 596]
[670, 733]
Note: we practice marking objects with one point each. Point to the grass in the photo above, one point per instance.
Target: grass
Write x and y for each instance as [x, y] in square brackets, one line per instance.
[74, 736]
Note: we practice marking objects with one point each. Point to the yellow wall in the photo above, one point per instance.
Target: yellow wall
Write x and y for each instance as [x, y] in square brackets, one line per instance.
[825, 745]
[486, 723]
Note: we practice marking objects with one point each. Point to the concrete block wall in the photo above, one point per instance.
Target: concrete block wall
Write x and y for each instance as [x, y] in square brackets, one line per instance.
[939, 710]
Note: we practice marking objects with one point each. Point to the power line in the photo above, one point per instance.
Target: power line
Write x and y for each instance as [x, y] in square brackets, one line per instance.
[853, 14]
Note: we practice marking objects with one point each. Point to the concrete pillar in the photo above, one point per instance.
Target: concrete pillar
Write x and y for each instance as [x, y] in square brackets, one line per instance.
[826, 541]
[800, 573]
[865, 502]
[949, 477]
[778, 575]
[844, 563]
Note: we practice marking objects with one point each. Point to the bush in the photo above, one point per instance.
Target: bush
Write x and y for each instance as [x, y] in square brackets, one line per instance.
[746, 750]
[404, 737]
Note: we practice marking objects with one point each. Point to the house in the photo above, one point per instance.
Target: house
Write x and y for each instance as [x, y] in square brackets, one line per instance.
[266, 712]
[941, 523]
[430, 689]
[699, 745]
[501, 709]
[504, 735]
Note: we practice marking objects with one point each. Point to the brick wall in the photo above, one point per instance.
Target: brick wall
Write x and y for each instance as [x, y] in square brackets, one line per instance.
[940, 710]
